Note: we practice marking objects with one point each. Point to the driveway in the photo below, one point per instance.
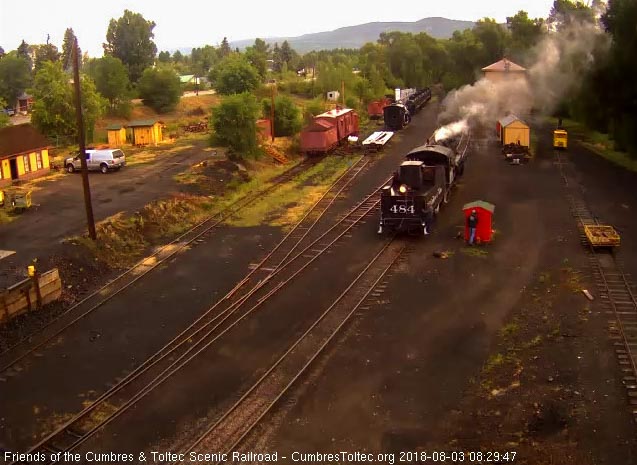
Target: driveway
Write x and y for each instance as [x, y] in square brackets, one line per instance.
[58, 210]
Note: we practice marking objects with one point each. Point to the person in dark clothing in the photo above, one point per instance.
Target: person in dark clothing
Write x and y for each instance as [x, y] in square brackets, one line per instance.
[472, 224]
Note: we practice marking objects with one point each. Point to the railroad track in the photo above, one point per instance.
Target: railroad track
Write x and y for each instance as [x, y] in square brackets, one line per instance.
[37, 340]
[615, 288]
[233, 426]
[210, 327]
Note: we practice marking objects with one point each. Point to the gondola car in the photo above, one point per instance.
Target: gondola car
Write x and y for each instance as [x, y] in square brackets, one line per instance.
[412, 198]
[396, 116]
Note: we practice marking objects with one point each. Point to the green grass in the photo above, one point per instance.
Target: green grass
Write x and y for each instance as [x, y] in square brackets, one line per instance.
[287, 204]
[599, 143]
[475, 252]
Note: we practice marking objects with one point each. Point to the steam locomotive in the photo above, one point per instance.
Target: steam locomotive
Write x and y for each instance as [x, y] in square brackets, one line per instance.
[422, 185]
[399, 114]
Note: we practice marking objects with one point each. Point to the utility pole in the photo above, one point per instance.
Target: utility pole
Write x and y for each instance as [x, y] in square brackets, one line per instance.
[80, 137]
[272, 112]
[343, 92]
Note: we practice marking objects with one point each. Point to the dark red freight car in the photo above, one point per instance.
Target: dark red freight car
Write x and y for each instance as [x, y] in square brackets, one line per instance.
[328, 130]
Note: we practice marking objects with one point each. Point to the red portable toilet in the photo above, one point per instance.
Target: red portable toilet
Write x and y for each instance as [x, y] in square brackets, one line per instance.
[484, 231]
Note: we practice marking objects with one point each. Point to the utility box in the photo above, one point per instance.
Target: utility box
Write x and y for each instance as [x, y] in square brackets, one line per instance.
[484, 230]
[333, 96]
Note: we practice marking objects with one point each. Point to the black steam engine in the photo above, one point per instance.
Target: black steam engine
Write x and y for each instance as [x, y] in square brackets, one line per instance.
[399, 114]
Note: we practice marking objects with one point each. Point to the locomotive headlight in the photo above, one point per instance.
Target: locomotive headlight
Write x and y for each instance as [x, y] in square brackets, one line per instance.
[402, 189]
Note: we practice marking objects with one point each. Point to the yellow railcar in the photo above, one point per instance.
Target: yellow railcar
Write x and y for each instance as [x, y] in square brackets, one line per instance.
[560, 139]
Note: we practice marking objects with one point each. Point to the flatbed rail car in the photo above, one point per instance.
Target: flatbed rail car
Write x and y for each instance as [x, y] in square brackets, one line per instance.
[602, 236]
[412, 198]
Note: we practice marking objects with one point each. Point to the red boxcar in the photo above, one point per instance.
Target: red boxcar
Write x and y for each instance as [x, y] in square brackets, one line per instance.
[319, 137]
[375, 108]
[344, 119]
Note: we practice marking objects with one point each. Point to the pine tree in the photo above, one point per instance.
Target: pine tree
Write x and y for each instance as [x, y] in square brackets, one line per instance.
[67, 49]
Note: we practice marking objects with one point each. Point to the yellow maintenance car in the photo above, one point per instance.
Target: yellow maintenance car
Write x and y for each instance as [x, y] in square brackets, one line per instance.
[560, 138]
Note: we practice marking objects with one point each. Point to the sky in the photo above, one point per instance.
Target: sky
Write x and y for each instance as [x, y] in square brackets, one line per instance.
[196, 23]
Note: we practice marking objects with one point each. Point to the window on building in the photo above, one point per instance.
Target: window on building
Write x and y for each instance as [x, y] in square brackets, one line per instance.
[38, 160]
[27, 163]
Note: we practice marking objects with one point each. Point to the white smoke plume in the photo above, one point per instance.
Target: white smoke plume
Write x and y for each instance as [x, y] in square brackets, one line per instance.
[560, 61]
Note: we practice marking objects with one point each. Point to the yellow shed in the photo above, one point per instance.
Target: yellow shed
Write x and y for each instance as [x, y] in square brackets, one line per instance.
[146, 132]
[514, 130]
[116, 135]
[24, 154]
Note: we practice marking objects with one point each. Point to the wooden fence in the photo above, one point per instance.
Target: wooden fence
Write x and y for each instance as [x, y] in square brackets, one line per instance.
[23, 296]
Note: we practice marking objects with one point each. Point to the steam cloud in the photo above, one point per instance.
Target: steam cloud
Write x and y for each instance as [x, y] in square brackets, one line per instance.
[560, 61]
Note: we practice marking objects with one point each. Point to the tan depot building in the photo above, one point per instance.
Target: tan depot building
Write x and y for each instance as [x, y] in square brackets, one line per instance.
[504, 70]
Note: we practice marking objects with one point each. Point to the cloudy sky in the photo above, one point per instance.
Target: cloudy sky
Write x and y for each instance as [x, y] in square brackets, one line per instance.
[195, 23]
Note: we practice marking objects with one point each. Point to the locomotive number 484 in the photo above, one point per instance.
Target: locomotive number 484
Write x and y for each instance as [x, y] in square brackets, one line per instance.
[403, 209]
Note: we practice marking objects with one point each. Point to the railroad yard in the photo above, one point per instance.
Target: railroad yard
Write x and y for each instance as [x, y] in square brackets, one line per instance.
[328, 337]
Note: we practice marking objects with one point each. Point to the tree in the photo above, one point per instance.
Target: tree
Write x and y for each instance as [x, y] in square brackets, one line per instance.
[178, 57]
[277, 59]
[525, 33]
[23, 52]
[234, 123]
[286, 52]
[4, 118]
[160, 89]
[235, 75]
[67, 49]
[111, 80]
[130, 38]
[257, 55]
[46, 52]
[621, 95]
[203, 59]
[287, 116]
[163, 57]
[15, 78]
[54, 102]
[494, 39]
[224, 49]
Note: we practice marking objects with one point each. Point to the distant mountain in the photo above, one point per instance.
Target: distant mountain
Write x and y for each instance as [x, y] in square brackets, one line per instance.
[357, 36]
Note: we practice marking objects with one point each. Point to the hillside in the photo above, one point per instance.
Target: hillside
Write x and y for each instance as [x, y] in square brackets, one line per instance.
[356, 36]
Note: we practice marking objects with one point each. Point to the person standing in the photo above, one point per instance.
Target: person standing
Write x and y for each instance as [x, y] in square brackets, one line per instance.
[472, 224]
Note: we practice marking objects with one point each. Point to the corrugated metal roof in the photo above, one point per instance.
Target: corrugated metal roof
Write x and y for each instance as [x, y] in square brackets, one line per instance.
[504, 122]
[334, 113]
[142, 122]
[21, 138]
[114, 127]
[504, 65]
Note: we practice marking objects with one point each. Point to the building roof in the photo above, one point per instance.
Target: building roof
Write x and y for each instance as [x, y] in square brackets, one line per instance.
[507, 120]
[504, 66]
[479, 204]
[186, 78]
[142, 123]
[21, 138]
[114, 127]
[334, 113]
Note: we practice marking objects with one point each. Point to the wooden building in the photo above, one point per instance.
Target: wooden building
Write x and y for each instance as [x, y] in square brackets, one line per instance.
[24, 154]
[116, 135]
[146, 132]
[512, 130]
[504, 70]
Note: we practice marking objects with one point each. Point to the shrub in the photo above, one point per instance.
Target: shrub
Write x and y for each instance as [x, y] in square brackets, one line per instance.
[160, 89]
[287, 116]
[234, 123]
